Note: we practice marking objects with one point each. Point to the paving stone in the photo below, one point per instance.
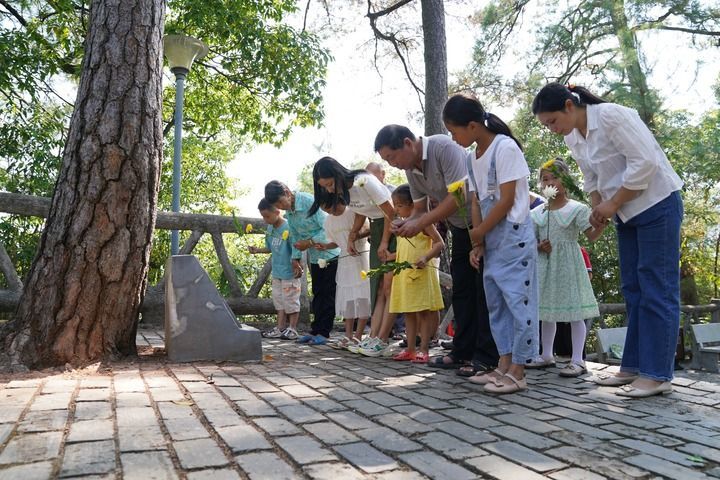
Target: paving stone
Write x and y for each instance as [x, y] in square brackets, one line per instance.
[388, 440]
[436, 467]
[324, 405]
[657, 451]
[259, 386]
[128, 383]
[5, 431]
[523, 437]
[664, 467]
[384, 399]
[93, 395]
[693, 436]
[367, 408]
[311, 382]
[276, 426]
[31, 447]
[243, 438]
[574, 426]
[526, 423]
[255, 408]
[278, 399]
[138, 439]
[399, 475]
[576, 474]
[185, 428]
[264, 465]
[695, 449]
[464, 432]
[420, 414]
[473, 419]
[301, 414]
[330, 433]
[588, 458]
[500, 468]
[52, 401]
[59, 385]
[200, 453]
[215, 474]
[147, 466]
[210, 401]
[10, 414]
[366, 457]
[304, 449]
[332, 471]
[222, 417]
[92, 411]
[642, 434]
[34, 471]
[30, 383]
[300, 391]
[339, 394]
[88, 458]
[237, 393]
[90, 430]
[524, 456]
[43, 421]
[450, 446]
[135, 416]
[402, 423]
[351, 420]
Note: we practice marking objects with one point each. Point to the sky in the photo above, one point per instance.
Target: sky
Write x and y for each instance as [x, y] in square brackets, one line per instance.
[358, 102]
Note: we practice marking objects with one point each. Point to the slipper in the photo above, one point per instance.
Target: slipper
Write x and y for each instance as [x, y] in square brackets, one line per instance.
[421, 357]
[611, 380]
[540, 362]
[473, 369]
[487, 377]
[318, 340]
[305, 339]
[404, 356]
[629, 391]
[439, 362]
[501, 388]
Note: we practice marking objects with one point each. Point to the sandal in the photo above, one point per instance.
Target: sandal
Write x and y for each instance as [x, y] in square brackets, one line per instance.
[341, 344]
[500, 387]
[420, 358]
[439, 362]
[404, 356]
[473, 369]
[486, 377]
[305, 339]
[318, 340]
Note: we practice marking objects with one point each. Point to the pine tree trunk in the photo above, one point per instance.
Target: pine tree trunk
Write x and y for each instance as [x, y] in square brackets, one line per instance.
[436, 89]
[85, 286]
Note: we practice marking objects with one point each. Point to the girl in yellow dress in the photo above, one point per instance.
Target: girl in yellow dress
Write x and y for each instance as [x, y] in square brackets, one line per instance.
[416, 291]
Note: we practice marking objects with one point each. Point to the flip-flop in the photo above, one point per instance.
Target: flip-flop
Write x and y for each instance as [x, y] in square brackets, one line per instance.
[473, 369]
[439, 362]
[318, 340]
[305, 339]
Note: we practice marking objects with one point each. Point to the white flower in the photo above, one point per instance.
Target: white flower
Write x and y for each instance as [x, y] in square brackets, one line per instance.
[322, 263]
[549, 192]
[361, 181]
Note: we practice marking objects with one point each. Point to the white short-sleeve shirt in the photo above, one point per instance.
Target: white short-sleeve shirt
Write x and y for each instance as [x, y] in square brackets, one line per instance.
[366, 196]
[510, 165]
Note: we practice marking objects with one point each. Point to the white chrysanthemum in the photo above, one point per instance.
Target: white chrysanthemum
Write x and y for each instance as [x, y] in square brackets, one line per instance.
[549, 192]
[322, 263]
[361, 181]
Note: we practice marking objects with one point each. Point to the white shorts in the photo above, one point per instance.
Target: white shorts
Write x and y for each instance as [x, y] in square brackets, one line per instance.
[286, 295]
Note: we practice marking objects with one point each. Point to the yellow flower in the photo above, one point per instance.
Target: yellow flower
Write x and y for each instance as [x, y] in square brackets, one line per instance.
[453, 187]
[363, 274]
[248, 228]
[285, 235]
[548, 165]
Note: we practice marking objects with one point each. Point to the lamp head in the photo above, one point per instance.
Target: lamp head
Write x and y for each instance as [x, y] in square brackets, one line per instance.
[182, 50]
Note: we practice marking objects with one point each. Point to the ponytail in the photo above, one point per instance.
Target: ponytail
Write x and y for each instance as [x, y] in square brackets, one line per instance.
[462, 109]
[553, 97]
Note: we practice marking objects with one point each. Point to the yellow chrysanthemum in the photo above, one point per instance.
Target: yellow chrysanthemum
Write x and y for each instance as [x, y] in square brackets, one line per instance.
[548, 165]
[285, 235]
[363, 274]
[248, 228]
[453, 187]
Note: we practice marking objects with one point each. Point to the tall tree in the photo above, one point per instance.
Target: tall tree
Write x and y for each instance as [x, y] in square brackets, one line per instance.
[434, 94]
[86, 284]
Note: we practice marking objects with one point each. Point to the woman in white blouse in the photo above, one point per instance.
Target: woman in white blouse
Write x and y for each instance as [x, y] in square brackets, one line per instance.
[630, 180]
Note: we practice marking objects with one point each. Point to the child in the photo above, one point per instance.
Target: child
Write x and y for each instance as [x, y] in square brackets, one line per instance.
[630, 180]
[416, 291]
[305, 230]
[285, 287]
[502, 232]
[565, 291]
[352, 292]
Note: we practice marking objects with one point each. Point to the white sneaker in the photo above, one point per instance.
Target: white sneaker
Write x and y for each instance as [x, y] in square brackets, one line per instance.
[274, 333]
[356, 345]
[289, 334]
[376, 349]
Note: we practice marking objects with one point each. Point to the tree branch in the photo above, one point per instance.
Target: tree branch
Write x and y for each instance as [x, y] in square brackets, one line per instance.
[14, 13]
[382, 13]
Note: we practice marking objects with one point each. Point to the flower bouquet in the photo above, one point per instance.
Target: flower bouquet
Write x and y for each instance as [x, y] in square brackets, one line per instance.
[457, 190]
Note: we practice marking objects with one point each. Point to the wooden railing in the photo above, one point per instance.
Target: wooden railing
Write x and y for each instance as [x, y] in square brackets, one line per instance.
[242, 303]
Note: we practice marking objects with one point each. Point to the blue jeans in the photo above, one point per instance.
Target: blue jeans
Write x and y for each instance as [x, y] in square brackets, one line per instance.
[649, 246]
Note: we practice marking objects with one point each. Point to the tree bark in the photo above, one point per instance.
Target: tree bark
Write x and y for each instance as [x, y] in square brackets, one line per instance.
[435, 45]
[85, 287]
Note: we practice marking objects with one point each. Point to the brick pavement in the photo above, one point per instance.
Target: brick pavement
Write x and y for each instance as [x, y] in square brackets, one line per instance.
[317, 413]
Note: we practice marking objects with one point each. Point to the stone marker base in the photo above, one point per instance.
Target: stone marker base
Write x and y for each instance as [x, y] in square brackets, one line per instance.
[199, 324]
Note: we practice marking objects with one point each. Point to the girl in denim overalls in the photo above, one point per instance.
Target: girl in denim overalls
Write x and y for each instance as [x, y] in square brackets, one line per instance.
[503, 233]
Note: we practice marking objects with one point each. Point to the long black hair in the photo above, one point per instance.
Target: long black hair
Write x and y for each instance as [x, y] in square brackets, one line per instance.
[553, 97]
[461, 109]
[328, 167]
